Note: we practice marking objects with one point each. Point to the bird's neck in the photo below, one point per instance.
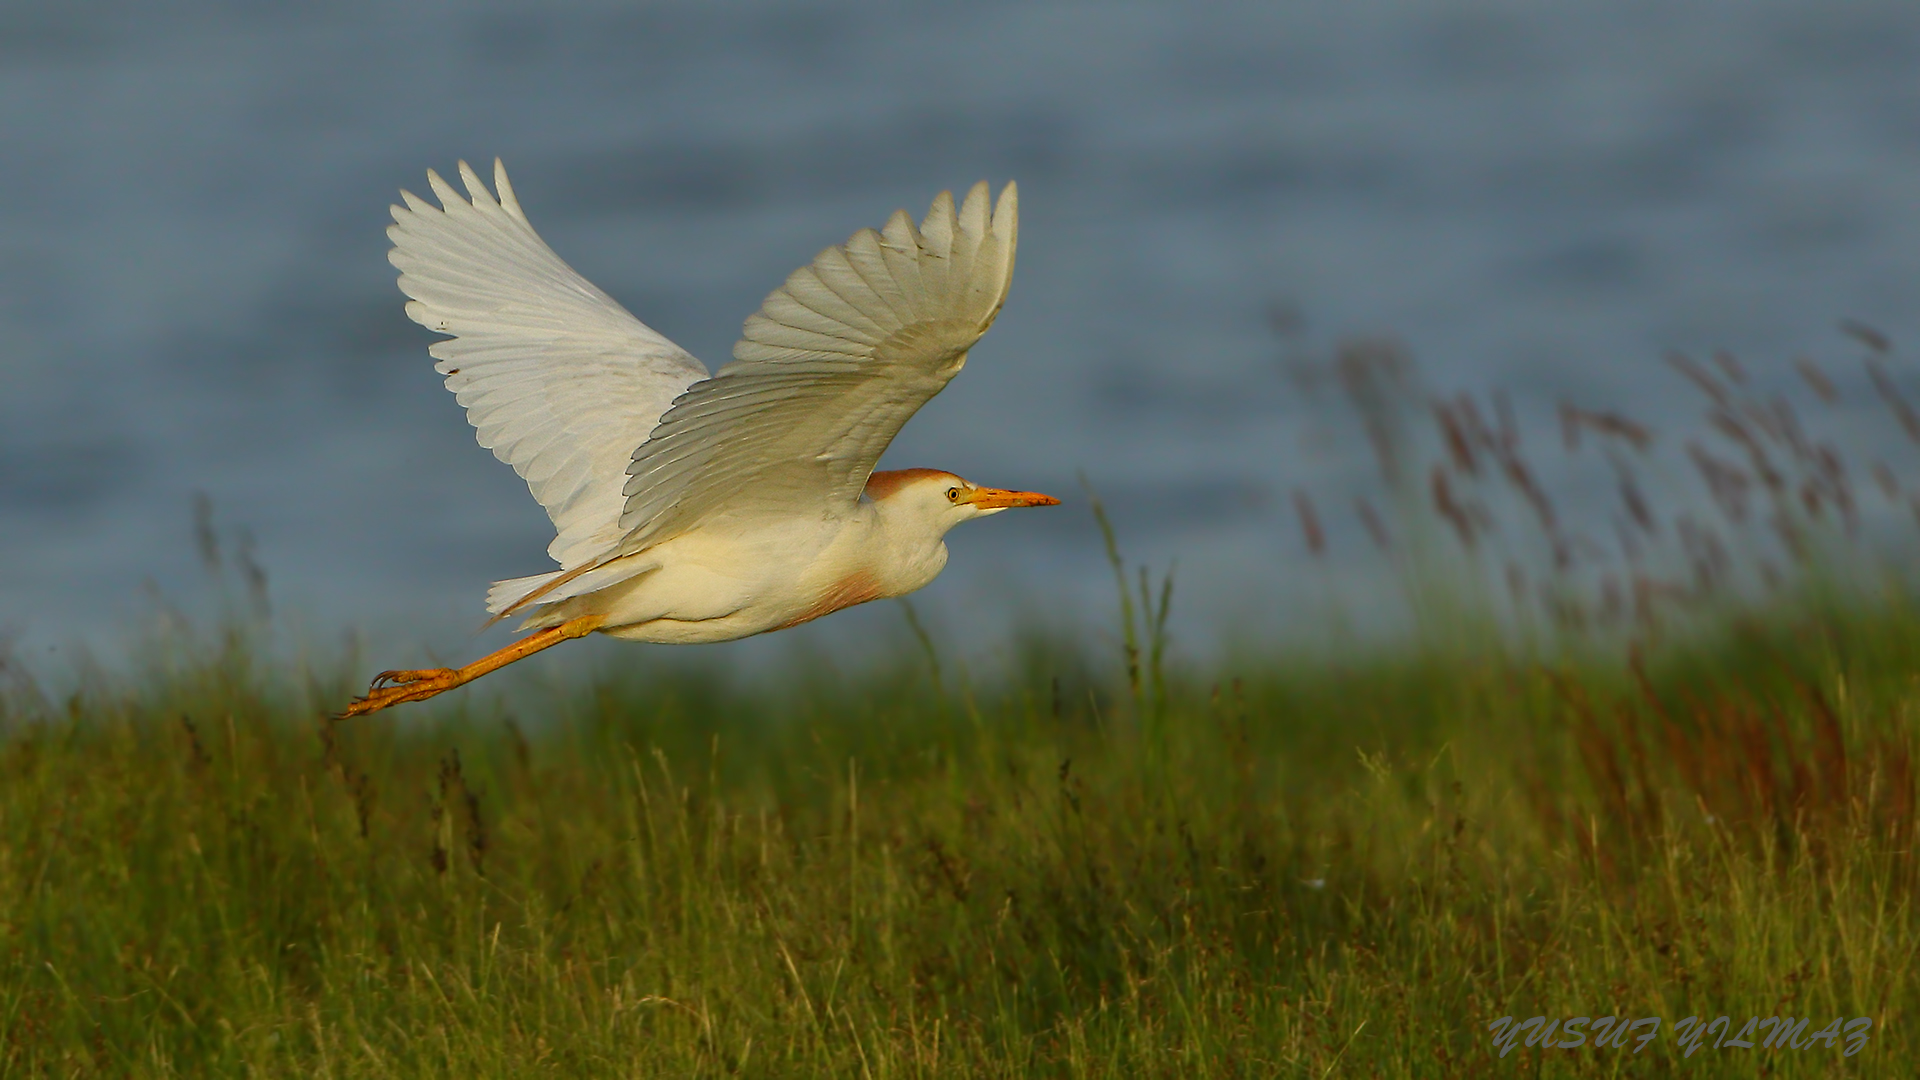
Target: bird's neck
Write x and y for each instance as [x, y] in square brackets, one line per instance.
[906, 550]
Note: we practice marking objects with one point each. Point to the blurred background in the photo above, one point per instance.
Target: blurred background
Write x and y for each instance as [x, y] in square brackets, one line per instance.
[1260, 242]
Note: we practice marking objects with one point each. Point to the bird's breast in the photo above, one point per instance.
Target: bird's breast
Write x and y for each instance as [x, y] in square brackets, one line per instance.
[857, 587]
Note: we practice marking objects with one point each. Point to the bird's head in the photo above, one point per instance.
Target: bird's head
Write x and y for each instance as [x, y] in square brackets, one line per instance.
[942, 499]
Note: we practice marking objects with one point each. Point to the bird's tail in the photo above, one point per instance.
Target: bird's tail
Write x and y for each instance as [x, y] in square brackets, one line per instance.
[517, 594]
[505, 594]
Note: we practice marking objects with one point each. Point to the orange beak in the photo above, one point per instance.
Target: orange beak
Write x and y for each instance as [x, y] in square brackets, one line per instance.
[987, 498]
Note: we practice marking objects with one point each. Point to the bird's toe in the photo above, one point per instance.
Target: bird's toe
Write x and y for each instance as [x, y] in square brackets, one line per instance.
[404, 676]
[397, 687]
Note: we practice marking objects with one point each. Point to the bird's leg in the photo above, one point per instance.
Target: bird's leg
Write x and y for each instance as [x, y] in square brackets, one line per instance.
[398, 687]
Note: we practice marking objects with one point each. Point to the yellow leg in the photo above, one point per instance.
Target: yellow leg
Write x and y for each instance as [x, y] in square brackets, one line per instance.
[397, 687]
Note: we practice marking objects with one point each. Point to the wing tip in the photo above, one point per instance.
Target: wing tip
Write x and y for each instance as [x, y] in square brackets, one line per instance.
[477, 192]
[443, 191]
[504, 189]
[937, 226]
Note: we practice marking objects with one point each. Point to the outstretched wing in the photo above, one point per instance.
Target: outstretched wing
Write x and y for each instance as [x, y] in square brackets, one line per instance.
[558, 380]
[827, 372]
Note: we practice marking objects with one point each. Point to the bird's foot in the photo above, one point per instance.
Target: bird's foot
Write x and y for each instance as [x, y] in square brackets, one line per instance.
[399, 687]
[408, 676]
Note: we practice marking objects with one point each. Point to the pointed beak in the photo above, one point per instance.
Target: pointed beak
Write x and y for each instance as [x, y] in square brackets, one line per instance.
[987, 498]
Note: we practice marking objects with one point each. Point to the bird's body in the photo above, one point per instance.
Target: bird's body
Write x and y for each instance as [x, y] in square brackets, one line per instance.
[733, 579]
[690, 508]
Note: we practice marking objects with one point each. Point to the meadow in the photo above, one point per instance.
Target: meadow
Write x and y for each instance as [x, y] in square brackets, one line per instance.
[1089, 862]
[1301, 868]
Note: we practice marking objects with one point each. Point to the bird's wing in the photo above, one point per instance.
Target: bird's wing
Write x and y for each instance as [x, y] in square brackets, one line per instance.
[827, 371]
[558, 380]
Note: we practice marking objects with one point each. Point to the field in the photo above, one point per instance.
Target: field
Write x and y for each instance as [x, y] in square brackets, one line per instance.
[1664, 794]
[1299, 867]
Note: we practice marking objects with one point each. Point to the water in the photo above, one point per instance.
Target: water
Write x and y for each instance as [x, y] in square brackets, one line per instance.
[1535, 196]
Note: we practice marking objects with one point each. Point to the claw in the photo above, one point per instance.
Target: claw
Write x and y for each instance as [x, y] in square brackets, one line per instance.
[398, 687]
[404, 676]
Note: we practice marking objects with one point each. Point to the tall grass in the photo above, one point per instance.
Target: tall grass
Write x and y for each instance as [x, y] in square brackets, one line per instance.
[1626, 529]
[1341, 870]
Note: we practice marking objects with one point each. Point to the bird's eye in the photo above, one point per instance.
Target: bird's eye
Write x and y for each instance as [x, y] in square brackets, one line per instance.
[953, 494]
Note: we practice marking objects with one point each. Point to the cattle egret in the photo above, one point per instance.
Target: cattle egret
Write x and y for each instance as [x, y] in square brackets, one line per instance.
[691, 508]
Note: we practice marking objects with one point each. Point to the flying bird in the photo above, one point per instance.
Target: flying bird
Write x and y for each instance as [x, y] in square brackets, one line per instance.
[691, 507]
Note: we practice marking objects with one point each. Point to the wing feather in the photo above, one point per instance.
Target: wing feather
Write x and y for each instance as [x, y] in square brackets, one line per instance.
[784, 309]
[558, 380]
[971, 221]
[900, 247]
[936, 229]
[827, 371]
[864, 257]
[838, 276]
[779, 339]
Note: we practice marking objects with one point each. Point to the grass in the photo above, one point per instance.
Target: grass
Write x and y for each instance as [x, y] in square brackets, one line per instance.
[1387, 862]
[1344, 869]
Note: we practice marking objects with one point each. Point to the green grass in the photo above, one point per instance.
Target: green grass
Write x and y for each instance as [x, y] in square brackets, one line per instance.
[1328, 868]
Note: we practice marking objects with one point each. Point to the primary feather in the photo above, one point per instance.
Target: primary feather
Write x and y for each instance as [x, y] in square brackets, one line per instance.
[558, 380]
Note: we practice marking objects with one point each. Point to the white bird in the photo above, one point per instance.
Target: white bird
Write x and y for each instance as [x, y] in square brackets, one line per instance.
[692, 508]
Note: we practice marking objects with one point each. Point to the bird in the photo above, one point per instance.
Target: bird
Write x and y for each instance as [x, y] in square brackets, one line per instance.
[690, 507]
